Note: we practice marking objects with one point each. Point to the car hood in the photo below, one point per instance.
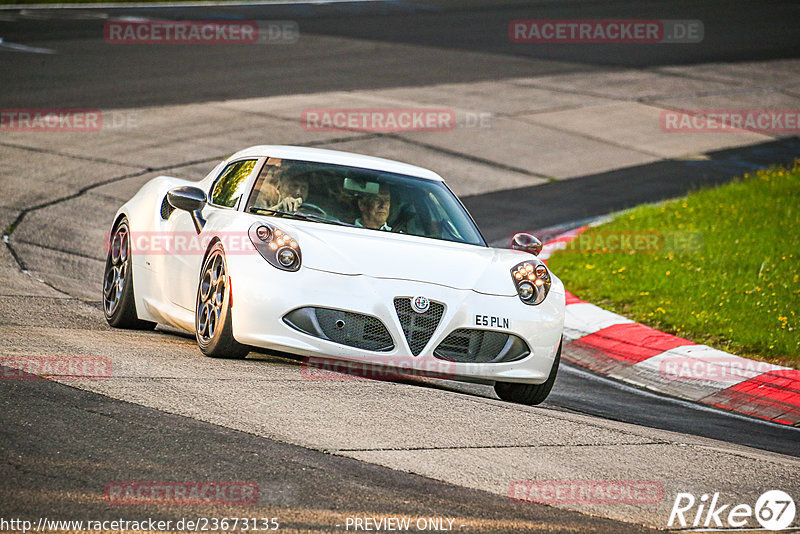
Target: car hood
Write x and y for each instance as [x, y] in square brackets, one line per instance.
[357, 251]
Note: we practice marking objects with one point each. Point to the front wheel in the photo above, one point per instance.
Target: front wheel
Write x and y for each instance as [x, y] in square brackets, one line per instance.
[119, 304]
[529, 394]
[213, 323]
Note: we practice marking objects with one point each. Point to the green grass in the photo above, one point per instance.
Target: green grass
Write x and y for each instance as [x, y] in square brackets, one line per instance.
[725, 272]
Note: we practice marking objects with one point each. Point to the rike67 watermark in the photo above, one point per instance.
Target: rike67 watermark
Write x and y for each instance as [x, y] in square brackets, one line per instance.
[773, 510]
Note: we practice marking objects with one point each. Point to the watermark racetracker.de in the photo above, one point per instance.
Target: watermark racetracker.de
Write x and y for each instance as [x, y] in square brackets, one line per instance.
[57, 367]
[785, 121]
[237, 523]
[190, 243]
[586, 491]
[605, 31]
[200, 32]
[711, 369]
[630, 242]
[66, 120]
[390, 369]
[388, 120]
[179, 493]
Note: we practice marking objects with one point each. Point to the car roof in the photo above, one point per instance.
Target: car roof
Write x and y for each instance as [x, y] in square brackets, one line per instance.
[320, 155]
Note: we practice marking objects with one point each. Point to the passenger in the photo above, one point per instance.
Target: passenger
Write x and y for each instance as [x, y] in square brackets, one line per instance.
[375, 210]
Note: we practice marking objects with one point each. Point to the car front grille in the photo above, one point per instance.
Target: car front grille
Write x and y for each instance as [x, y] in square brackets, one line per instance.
[343, 327]
[468, 345]
[418, 327]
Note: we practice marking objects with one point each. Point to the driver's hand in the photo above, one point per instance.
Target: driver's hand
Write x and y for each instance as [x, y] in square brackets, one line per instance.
[289, 204]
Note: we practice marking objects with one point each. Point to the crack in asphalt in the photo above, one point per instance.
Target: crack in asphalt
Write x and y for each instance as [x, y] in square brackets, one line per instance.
[491, 447]
[67, 155]
[82, 191]
[57, 249]
[15, 295]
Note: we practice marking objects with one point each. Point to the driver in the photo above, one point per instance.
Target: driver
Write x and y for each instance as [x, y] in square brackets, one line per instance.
[292, 191]
[375, 210]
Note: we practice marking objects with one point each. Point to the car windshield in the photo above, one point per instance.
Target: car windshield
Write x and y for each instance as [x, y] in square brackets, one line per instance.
[364, 198]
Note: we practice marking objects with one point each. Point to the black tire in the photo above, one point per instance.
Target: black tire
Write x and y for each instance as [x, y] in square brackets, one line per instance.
[119, 304]
[212, 322]
[529, 394]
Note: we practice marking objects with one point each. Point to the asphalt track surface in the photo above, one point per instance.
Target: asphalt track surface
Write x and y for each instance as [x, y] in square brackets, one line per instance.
[409, 42]
[96, 439]
[148, 444]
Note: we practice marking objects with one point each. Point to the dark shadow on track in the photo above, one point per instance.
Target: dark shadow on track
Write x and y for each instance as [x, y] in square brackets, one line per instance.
[542, 206]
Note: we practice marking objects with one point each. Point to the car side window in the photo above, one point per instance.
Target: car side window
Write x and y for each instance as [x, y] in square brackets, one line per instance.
[230, 184]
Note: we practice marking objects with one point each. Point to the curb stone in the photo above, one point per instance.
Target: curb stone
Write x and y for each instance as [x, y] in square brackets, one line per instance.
[615, 346]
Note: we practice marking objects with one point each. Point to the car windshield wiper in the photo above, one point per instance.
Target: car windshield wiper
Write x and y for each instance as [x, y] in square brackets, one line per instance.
[301, 216]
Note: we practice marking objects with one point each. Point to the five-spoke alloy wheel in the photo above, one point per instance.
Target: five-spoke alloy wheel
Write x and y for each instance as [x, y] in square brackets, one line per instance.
[119, 304]
[213, 313]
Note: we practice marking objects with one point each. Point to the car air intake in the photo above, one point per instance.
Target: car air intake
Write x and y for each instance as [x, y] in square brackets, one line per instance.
[418, 327]
[166, 208]
[343, 327]
[468, 345]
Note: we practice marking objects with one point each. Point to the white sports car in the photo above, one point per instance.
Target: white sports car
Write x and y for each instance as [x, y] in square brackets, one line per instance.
[327, 254]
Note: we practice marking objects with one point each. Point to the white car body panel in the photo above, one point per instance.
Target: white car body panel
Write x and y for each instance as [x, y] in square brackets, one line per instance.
[344, 268]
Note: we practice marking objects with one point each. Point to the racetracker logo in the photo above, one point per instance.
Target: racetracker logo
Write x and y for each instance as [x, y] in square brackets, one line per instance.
[712, 369]
[50, 120]
[187, 243]
[200, 32]
[605, 31]
[774, 510]
[383, 120]
[58, 367]
[181, 493]
[66, 120]
[630, 242]
[586, 491]
[731, 121]
[322, 369]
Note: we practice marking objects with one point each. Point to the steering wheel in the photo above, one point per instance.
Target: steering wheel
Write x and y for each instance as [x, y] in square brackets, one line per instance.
[308, 206]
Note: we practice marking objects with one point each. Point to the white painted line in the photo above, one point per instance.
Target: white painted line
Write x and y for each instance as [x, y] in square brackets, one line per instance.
[583, 319]
[202, 3]
[23, 48]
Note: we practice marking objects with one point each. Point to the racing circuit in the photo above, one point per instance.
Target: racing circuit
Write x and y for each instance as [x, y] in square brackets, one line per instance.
[546, 137]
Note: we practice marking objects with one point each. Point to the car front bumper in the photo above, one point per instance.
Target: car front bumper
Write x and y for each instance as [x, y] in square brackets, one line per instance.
[259, 309]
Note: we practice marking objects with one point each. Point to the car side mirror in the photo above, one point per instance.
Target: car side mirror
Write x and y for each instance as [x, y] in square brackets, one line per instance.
[191, 199]
[526, 243]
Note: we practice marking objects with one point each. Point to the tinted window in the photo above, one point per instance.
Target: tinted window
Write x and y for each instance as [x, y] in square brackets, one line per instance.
[230, 185]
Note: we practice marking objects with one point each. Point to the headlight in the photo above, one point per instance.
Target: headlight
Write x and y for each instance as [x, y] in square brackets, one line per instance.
[532, 280]
[287, 257]
[276, 246]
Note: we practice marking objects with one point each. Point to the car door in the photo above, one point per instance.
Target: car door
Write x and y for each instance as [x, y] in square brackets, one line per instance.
[184, 262]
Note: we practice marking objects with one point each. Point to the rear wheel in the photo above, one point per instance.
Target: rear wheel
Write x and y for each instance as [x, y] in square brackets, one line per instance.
[213, 323]
[529, 394]
[119, 304]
